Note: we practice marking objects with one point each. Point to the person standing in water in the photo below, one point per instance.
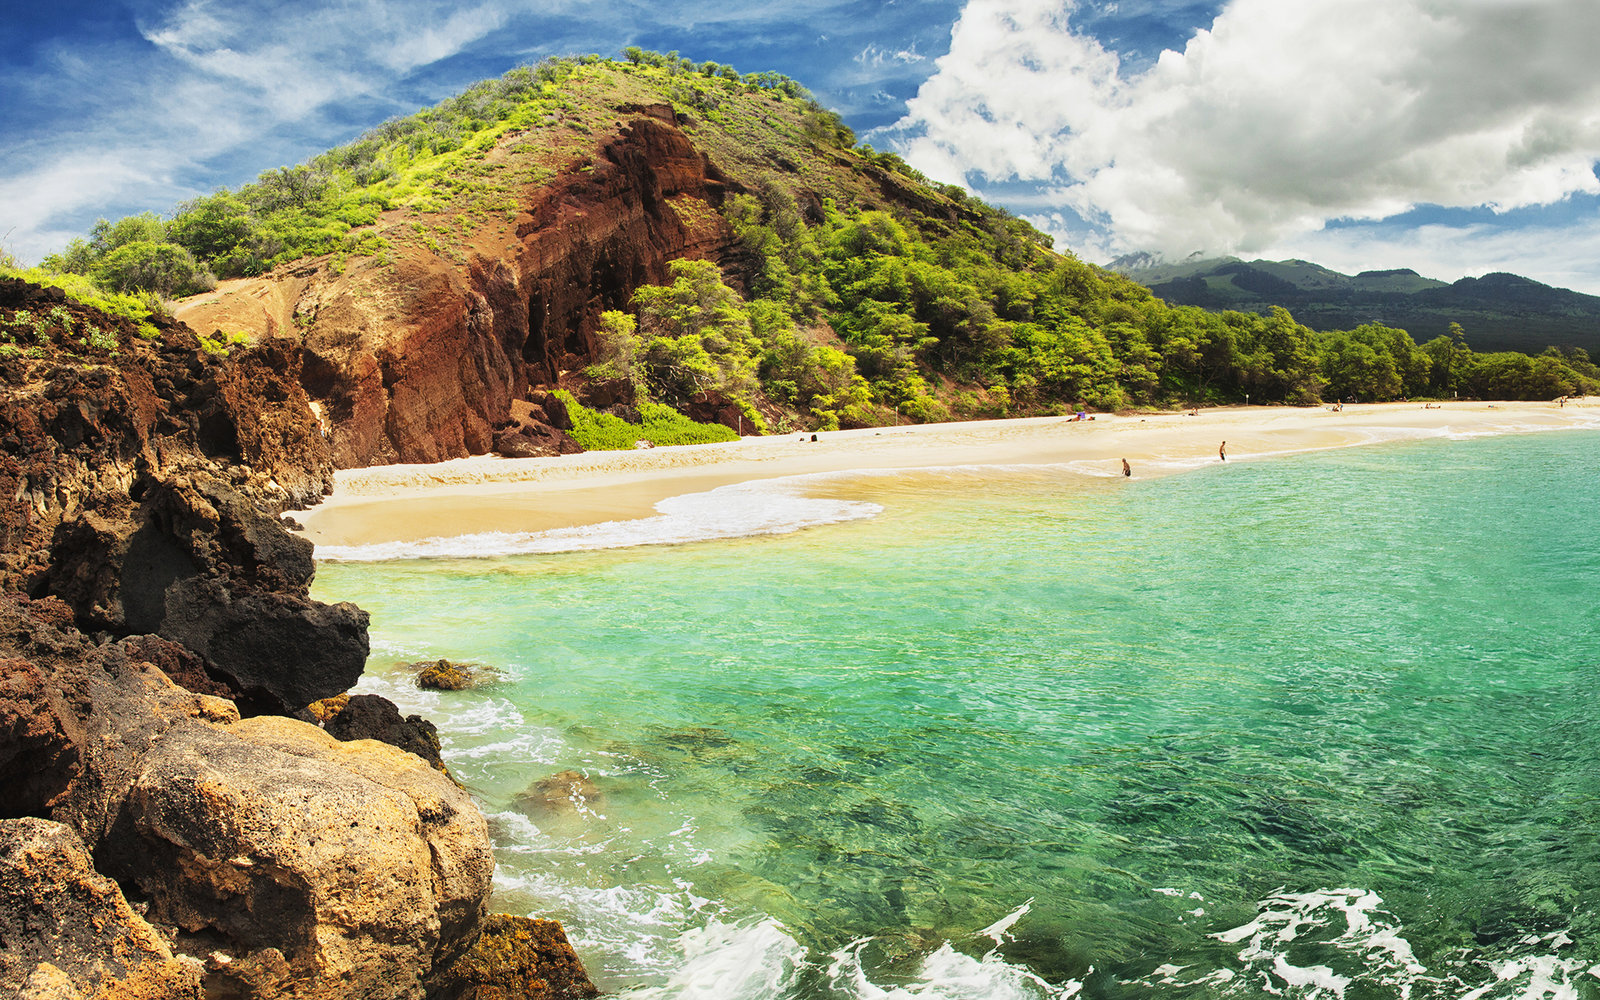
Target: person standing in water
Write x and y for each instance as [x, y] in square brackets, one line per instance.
[1222, 451]
[1127, 470]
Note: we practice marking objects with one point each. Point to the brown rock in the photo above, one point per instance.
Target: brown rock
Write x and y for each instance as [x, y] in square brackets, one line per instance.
[300, 865]
[40, 736]
[81, 436]
[68, 930]
[516, 958]
[321, 868]
[443, 675]
[186, 669]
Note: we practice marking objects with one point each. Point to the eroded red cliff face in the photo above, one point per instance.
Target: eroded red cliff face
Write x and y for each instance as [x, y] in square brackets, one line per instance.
[419, 359]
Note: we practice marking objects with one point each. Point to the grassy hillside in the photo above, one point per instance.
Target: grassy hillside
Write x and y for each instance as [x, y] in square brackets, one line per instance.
[859, 292]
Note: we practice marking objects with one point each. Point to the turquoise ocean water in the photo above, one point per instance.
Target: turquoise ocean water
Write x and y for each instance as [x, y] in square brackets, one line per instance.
[1325, 725]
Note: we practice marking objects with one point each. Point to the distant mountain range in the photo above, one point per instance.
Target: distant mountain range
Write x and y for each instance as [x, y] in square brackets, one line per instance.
[1497, 312]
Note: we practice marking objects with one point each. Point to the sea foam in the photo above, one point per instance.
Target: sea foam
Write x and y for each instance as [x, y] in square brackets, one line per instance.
[763, 507]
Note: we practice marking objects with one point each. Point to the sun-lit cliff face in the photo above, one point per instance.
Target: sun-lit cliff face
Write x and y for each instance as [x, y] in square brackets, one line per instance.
[417, 354]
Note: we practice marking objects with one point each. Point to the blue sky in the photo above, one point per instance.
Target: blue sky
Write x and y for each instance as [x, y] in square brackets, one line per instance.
[1456, 137]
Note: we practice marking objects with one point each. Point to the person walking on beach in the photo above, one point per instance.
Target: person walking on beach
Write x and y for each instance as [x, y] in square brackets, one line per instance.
[1222, 451]
[1127, 470]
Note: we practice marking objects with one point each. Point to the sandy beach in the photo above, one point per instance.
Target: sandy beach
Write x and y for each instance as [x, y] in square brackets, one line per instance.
[404, 503]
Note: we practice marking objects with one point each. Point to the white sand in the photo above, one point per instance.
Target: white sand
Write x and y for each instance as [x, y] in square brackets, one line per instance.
[401, 503]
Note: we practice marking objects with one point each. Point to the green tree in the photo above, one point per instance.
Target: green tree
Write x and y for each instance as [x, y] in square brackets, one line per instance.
[220, 230]
[617, 349]
[84, 256]
[142, 266]
[696, 336]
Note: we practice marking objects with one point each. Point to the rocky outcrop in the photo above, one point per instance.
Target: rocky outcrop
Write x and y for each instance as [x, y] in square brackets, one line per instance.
[140, 482]
[196, 563]
[373, 717]
[294, 864]
[83, 425]
[435, 355]
[68, 930]
[154, 844]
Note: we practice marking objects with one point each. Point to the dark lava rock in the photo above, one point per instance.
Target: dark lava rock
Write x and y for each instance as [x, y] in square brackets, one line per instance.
[370, 717]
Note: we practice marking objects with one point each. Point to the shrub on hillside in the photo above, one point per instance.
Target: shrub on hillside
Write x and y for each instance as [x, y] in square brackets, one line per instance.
[164, 268]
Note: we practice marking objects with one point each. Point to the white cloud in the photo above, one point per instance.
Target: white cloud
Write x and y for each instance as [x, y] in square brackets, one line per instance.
[1279, 118]
[875, 55]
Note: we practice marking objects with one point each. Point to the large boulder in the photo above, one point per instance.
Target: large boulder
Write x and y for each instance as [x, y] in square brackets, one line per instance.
[309, 866]
[68, 930]
[293, 863]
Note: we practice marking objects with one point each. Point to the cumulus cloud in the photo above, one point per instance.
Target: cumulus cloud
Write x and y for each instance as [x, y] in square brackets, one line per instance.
[1275, 120]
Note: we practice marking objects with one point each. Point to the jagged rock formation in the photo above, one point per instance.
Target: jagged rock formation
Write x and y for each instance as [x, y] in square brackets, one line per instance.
[142, 487]
[67, 926]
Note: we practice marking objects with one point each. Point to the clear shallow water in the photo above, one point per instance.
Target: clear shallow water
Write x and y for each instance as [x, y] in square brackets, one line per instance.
[1321, 726]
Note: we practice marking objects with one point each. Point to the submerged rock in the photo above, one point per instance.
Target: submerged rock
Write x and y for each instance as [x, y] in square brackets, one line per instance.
[567, 792]
[516, 958]
[443, 675]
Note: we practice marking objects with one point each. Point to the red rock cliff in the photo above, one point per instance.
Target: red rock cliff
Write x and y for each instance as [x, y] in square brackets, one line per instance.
[420, 360]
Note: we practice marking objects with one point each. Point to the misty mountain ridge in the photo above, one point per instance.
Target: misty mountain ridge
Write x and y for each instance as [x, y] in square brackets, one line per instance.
[1498, 311]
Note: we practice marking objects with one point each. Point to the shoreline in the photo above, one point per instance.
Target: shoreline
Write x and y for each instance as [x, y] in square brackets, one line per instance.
[483, 494]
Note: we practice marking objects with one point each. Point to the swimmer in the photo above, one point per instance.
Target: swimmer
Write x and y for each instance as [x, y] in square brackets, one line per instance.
[1127, 470]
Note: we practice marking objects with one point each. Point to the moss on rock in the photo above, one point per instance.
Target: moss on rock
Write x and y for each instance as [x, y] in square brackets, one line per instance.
[517, 958]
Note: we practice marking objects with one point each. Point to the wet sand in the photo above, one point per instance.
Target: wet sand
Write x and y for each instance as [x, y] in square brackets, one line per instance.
[403, 503]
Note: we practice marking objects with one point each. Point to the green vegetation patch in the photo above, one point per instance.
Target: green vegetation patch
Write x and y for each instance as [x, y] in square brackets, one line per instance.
[139, 309]
[659, 424]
